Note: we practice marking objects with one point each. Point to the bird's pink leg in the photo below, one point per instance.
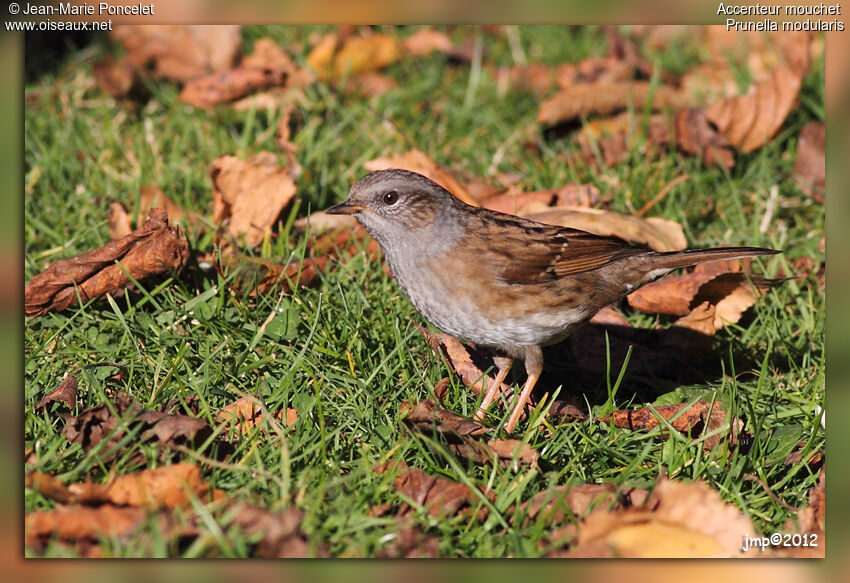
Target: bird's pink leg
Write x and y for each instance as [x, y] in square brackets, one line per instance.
[533, 366]
[504, 364]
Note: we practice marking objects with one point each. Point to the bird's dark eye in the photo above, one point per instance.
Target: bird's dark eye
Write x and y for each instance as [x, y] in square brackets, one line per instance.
[390, 197]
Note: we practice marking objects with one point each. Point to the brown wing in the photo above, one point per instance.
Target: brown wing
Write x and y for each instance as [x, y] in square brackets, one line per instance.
[527, 252]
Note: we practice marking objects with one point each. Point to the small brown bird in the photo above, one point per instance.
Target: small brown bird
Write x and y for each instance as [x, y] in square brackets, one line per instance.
[499, 280]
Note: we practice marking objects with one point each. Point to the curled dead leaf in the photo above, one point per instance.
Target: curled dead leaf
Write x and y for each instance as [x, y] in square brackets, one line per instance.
[65, 393]
[155, 248]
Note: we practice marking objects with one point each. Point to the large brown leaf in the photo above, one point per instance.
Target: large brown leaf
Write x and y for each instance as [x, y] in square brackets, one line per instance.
[180, 52]
[606, 98]
[249, 194]
[155, 248]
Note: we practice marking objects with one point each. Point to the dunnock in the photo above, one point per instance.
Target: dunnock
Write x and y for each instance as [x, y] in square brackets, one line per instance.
[499, 280]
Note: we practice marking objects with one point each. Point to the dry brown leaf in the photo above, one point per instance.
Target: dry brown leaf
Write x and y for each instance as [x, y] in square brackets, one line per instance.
[812, 518]
[681, 520]
[280, 533]
[97, 423]
[409, 542]
[65, 393]
[417, 161]
[810, 166]
[117, 77]
[180, 52]
[732, 293]
[427, 416]
[268, 55]
[701, 418]
[614, 137]
[659, 234]
[750, 120]
[258, 275]
[610, 316]
[227, 86]
[427, 40]
[153, 197]
[439, 496]
[606, 98]
[320, 222]
[461, 359]
[695, 136]
[536, 78]
[119, 221]
[556, 504]
[335, 57]
[80, 522]
[249, 194]
[155, 248]
[369, 84]
[514, 201]
[244, 413]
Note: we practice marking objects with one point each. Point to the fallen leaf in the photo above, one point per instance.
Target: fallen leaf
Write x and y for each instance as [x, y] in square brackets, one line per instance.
[155, 248]
[750, 120]
[427, 416]
[319, 222]
[417, 161]
[100, 422]
[701, 418]
[516, 202]
[268, 55]
[117, 77]
[280, 534]
[555, 505]
[369, 84]
[659, 234]
[230, 85]
[810, 166]
[461, 359]
[258, 276]
[812, 518]
[249, 194]
[80, 522]
[536, 78]
[65, 393]
[119, 221]
[680, 519]
[427, 40]
[606, 98]
[440, 497]
[336, 57]
[732, 293]
[180, 52]
[244, 413]
[614, 137]
[409, 542]
[695, 136]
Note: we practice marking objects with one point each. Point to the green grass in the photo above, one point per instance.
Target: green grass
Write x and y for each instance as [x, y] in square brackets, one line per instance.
[346, 353]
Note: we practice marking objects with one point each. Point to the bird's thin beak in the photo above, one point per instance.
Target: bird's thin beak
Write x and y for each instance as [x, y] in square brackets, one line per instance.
[345, 208]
